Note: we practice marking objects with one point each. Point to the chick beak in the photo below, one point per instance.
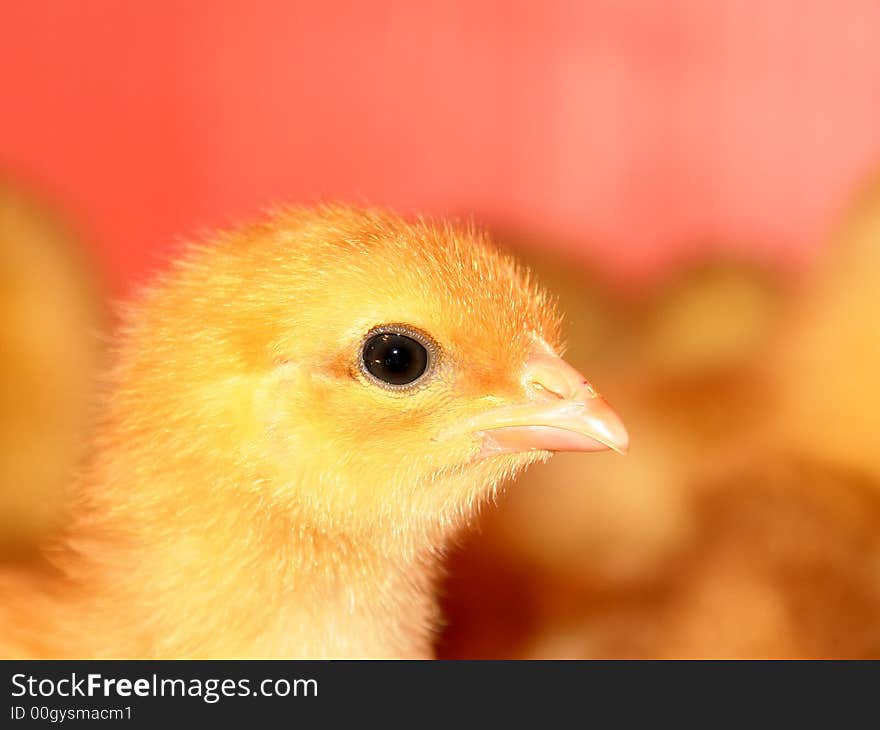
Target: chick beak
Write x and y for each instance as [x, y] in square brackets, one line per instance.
[560, 411]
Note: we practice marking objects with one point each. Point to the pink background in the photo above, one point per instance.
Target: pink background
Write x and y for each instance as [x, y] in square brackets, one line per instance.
[630, 131]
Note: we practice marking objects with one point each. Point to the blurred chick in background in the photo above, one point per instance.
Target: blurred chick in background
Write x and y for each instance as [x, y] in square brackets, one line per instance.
[299, 416]
[50, 320]
[747, 521]
[828, 362]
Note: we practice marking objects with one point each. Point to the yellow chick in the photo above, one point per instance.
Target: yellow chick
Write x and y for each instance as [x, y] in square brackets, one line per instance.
[50, 316]
[299, 417]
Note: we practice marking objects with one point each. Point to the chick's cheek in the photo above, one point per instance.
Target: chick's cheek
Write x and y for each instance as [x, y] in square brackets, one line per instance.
[346, 419]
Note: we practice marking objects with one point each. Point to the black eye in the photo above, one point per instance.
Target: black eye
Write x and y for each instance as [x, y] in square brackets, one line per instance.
[395, 358]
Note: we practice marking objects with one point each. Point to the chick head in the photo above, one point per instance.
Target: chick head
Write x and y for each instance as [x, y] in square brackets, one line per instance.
[355, 368]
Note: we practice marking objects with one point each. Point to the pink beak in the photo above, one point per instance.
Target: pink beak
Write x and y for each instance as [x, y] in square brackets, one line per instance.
[560, 412]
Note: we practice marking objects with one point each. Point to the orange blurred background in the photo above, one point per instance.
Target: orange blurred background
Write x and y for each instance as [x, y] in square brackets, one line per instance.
[670, 168]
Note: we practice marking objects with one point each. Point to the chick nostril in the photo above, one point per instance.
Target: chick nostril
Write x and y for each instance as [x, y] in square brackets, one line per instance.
[549, 376]
[540, 389]
[571, 389]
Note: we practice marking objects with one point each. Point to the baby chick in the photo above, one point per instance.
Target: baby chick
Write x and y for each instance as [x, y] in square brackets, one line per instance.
[299, 418]
[49, 312]
[826, 366]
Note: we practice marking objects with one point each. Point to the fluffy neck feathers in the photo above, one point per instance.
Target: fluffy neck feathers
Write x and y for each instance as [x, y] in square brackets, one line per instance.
[247, 582]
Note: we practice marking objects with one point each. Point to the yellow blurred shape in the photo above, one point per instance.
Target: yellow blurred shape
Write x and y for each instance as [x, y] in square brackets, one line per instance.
[716, 314]
[50, 316]
[829, 368]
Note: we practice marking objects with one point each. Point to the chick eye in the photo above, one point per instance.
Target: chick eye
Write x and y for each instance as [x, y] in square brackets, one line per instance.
[394, 358]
